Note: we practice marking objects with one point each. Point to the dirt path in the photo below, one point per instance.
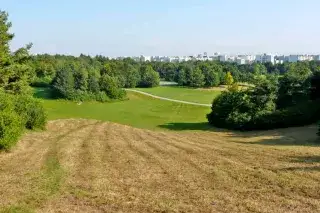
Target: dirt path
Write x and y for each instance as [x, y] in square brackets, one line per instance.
[168, 99]
[92, 166]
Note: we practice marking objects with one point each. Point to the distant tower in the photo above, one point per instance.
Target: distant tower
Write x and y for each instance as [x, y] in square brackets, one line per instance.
[205, 54]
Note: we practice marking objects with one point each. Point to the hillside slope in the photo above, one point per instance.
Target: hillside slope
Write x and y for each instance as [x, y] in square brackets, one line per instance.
[91, 166]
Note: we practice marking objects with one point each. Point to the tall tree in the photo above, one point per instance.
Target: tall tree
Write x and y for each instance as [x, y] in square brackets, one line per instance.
[149, 77]
[133, 77]
[15, 73]
[81, 79]
[64, 82]
[229, 79]
[197, 78]
[5, 38]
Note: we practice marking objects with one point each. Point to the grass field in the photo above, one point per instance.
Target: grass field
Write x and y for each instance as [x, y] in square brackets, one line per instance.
[94, 166]
[204, 96]
[139, 111]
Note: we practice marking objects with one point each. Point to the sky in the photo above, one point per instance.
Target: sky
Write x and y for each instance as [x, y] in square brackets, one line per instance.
[165, 27]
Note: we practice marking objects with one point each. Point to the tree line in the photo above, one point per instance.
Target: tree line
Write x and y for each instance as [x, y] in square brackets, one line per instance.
[130, 73]
[91, 78]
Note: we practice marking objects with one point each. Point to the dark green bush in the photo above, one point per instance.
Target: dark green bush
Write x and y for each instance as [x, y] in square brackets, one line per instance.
[11, 128]
[303, 114]
[224, 109]
[319, 128]
[31, 111]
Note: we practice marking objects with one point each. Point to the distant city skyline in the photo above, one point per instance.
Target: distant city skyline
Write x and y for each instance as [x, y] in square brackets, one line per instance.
[239, 59]
[180, 27]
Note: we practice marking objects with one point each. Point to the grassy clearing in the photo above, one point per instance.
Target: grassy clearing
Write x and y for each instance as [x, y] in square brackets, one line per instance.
[139, 111]
[110, 167]
[204, 96]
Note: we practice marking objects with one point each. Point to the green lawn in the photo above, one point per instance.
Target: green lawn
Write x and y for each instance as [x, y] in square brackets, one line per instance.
[184, 94]
[139, 111]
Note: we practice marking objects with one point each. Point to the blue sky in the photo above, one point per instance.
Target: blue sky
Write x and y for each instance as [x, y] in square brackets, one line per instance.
[165, 27]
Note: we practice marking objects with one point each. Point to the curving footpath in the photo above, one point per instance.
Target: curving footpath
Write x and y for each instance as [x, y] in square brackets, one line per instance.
[168, 99]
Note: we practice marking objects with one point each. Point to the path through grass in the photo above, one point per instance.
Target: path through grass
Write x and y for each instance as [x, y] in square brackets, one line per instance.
[201, 96]
[139, 111]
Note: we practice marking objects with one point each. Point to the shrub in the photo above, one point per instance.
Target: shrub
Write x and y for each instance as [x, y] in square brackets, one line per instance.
[6, 102]
[31, 111]
[10, 129]
[102, 97]
[319, 128]
[109, 85]
[224, 106]
[303, 114]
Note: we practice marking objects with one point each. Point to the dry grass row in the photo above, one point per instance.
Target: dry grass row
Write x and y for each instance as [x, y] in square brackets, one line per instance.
[91, 166]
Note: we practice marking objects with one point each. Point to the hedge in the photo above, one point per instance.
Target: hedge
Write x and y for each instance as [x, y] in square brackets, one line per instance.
[299, 115]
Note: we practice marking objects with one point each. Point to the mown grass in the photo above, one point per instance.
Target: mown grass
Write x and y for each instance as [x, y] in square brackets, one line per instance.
[45, 184]
[139, 111]
[203, 96]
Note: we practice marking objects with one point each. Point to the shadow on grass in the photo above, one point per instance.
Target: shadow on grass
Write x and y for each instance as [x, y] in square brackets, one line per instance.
[282, 141]
[304, 169]
[304, 160]
[44, 93]
[295, 136]
[202, 126]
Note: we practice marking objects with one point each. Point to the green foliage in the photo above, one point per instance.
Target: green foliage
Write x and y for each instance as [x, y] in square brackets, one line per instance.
[93, 82]
[133, 77]
[6, 102]
[109, 85]
[255, 108]
[181, 78]
[32, 112]
[64, 83]
[212, 78]
[318, 128]
[5, 38]
[80, 79]
[229, 79]
[225, 106]
[17, 108]
[149, 77]
[294, 86]
[10, 129]
[299, 115]
[197, 78]
[101, 97]
[11, 126]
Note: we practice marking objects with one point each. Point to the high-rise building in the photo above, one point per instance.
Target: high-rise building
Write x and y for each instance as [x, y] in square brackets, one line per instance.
[265, 58]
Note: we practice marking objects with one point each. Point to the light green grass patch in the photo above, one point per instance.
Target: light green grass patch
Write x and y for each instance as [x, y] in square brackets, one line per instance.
[139, 111]
[202, 96]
